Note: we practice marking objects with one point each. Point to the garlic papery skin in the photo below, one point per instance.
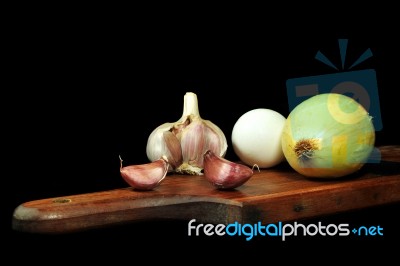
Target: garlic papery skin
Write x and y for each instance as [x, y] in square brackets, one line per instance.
[194, 135]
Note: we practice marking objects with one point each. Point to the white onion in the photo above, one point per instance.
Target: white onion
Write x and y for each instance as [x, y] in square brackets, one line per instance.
[256, 137]
[328, 135]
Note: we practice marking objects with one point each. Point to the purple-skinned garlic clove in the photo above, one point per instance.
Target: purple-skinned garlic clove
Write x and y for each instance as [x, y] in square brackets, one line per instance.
[145, 176]
[224, 174]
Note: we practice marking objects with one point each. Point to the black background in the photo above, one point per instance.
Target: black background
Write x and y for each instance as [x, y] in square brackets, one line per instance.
[88, 86]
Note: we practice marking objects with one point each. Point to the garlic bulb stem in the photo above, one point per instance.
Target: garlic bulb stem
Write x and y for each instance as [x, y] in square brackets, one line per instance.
[190, 106]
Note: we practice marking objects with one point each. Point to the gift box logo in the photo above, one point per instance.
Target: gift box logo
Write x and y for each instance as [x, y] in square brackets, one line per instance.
[361, 85]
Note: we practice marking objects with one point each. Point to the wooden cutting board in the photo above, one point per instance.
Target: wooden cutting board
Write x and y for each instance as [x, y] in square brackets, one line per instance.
[271, 195]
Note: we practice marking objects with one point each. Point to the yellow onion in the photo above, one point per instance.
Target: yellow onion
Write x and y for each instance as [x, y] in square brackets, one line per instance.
[329, 135]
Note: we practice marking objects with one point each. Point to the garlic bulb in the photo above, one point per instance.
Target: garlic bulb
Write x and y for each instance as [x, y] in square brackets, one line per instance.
[185, 141]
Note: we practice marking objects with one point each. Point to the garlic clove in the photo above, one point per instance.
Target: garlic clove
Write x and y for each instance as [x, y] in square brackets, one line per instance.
[197, 138]
[192, 143]
[162, 142]
[216, 141]
[145, 176]
[173, 148]
[224, 174]
[155, 148]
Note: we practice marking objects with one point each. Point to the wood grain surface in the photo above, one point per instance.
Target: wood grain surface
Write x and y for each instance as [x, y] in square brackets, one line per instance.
[271, 195]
